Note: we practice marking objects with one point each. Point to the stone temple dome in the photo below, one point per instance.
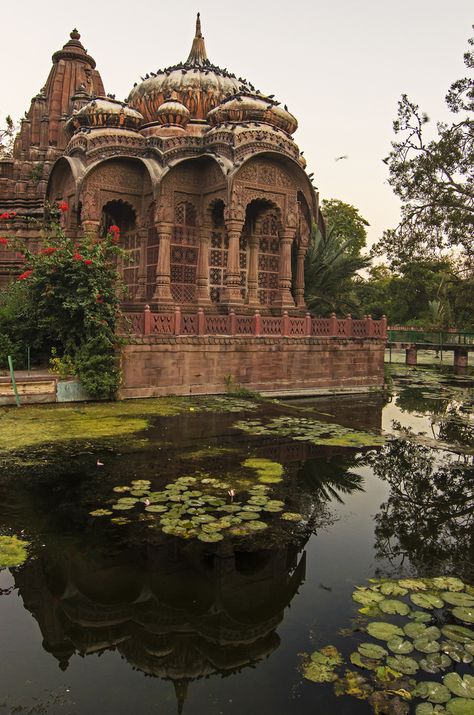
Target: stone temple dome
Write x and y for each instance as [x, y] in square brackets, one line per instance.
[103, 112]
[249, 107]
[196, 83]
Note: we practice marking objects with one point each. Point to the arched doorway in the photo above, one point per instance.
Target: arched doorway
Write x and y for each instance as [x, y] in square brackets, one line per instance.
[122, 214]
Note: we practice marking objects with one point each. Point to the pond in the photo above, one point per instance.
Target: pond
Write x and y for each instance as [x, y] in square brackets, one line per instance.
[200, 555]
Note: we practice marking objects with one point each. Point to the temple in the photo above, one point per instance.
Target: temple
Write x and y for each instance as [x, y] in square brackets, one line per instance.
[201, 173]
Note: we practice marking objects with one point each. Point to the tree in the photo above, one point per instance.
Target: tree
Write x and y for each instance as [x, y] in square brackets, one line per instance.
[66, 302]
[347, 224]
[7, 137]
[330, 270]
[433, 178]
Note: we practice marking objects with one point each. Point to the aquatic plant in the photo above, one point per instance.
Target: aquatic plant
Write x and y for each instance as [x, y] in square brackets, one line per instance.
[305, 429]
[202, 507]
[13, 551]
[434, 641]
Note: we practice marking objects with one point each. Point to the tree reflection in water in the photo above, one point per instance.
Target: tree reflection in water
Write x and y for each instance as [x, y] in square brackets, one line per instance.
[428, 519]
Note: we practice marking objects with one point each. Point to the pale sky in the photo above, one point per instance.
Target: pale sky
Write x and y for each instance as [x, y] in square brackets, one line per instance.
[339, 65]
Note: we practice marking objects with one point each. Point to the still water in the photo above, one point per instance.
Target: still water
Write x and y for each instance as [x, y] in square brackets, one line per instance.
[120, 618]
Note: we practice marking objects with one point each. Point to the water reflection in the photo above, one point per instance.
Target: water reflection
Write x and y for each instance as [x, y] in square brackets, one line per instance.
[171, 609]
[428, 518]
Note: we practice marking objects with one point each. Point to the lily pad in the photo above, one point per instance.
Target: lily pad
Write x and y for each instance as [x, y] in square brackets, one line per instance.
[403, 664]
[460, 706]
[426, 600]
[392, 588]
[458, 599]
[464, 614]
[448, 583]
[420, 616]
[462, 687]
[432, 691]
[394, 607]
[320, 669]
[210, 538]
[353, 684]
[435, 662]
[366, 596]
[429, 709]
[399, 645]
[122, 507]
[256, 525]
[372, 650]
[101, 512]
[413, 584]
[383, 631]
[156, 508]
[426, 645]
[291, 516]
[362, 662]
[414, 630]
[459, 634]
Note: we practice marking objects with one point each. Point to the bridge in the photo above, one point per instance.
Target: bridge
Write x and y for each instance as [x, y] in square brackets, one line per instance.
[413, 339]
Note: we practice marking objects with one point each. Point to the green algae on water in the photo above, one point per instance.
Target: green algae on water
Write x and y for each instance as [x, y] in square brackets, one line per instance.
[303, 429]
[13, 551]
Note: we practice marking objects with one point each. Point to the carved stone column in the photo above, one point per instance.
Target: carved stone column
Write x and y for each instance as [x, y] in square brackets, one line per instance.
[91, 228]
[162, 292]
[285, 299]
[230, 293]
[252, 276]
[299, 284]
[202, 273]
[142, 234]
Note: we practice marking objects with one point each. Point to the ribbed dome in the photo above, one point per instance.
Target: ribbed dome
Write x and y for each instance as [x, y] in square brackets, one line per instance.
[104, 112]
[172, 113]
[247, 107]
[196, 83]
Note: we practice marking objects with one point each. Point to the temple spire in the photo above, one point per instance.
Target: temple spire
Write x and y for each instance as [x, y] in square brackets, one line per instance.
[198, 54]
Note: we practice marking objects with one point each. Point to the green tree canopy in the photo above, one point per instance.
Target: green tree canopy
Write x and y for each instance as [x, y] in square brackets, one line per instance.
[434, 178]
[347, 223]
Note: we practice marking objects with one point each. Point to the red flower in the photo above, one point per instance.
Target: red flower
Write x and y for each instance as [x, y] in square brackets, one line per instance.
[4, 241]
[114, 231]
[63, 206]
[48, 251]
[12, 214]
[25, 275]
[88, 262]
[77, 257]
[4, 216]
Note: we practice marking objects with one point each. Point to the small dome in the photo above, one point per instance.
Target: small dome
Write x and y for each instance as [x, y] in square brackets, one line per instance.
[172, 113]
[104, 112]
[246, 107]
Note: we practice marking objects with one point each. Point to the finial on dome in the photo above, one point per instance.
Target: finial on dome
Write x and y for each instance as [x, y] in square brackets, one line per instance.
[75, 35]
[198, 54]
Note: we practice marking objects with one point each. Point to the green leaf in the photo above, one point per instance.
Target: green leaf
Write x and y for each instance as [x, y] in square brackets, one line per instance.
[435, 662]
[460, 706]
[460, 634]
[426, 600]
[413, 584]
[458, 599]
[362, 662]
[414, 630]
[398, 645]
[463, 687]
[392, 588]
[426, 645]
[429, 709]
[394, 607]
[403, 664]
[366, 596]
[383, 631]
[432, 691]
[448, 583]
[464, 614]
[372, 651]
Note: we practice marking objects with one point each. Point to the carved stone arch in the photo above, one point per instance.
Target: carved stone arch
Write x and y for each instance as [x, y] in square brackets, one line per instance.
[62, 186]
[304, 220]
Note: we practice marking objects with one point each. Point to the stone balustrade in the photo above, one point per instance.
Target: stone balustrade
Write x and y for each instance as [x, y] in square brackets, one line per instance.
[199, 322]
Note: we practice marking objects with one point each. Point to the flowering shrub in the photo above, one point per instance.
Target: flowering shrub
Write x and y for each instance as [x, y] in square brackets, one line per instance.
[70, 302]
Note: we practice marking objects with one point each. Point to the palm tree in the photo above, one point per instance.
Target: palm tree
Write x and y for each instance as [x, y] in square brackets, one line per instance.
[330, 270]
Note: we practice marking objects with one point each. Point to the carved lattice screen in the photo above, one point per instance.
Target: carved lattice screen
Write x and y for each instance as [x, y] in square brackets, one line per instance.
[268, 260]
[184, 254]
[217, 262]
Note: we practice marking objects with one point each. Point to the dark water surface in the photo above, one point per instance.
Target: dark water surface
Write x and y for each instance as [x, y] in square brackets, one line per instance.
[124, 619]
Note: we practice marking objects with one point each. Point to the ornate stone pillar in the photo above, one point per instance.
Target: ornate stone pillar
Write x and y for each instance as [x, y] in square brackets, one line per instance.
[299, 283]
[142, 234]
[91, 228]
[230, 293]
[202, 273]
[285, 299]
[252, 276]
[162, 292]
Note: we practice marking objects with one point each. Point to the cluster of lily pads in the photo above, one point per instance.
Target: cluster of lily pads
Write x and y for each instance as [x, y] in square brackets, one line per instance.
[202, 507]
[433, 634]
[305, 429]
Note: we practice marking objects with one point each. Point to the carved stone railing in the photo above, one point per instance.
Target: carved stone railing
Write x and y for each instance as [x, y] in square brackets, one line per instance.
[285, 325]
